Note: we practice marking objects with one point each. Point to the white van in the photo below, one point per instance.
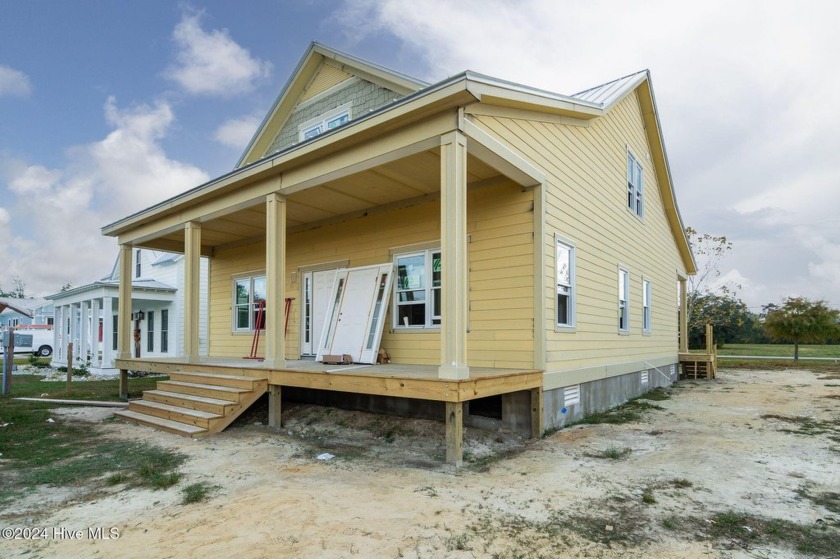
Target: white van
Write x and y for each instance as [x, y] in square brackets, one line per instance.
[36, 342]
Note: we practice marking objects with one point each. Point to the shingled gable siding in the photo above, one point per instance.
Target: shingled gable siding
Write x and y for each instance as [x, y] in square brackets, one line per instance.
[364, 95]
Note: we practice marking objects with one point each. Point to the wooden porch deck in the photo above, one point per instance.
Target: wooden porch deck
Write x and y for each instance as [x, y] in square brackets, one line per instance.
[394, 380]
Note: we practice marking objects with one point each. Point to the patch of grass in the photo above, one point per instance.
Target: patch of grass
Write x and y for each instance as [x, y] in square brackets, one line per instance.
[804, 425]
[829, 500]
[629, 412]
[779, 365]
[780, 350]
[117, 478]
[63, 454]
[458, 542]
[748, 529]
[681, 483]
[428, 491]
[657, 394]
[647, 496]
[611, 453]
[197, 492]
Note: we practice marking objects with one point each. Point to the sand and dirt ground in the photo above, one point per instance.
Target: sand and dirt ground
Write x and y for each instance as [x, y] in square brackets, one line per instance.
[760, 444]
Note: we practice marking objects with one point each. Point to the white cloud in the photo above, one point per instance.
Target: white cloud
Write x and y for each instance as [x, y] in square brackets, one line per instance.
[236, 133]
[14, 82]
[211, 63]
[55, 217]
[742, 88]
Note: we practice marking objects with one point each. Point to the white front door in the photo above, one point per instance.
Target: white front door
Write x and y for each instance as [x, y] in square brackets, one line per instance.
[317, 286]
[357, 305]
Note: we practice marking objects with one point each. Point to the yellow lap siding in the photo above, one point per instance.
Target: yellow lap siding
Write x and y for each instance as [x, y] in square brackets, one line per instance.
[500, 223]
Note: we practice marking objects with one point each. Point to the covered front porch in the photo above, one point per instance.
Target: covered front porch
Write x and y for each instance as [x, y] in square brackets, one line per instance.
[341, 178]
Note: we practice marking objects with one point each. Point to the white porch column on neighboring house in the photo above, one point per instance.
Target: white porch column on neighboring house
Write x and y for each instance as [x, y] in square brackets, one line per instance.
[84, 331]
[124, 342]
[95, 355]
[453, 234]
[107, 332]
[683, 316]
[275, 280]
[74, 333]
[192, 281]
[58, 329]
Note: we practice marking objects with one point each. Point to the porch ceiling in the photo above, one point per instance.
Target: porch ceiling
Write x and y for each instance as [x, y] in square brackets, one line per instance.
[410, 177]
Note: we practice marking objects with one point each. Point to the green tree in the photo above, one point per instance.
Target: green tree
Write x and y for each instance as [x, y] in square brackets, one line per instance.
[801, 320]
[733, 321]
[710, 301]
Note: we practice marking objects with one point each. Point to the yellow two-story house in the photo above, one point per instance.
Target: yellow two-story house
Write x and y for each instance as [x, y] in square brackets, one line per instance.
[468, 249]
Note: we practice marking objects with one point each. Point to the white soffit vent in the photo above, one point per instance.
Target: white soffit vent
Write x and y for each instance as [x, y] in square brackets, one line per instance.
[571, 395]
[644, 377]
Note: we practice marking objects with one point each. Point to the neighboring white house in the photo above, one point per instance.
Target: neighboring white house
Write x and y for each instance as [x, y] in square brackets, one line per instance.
[157, 308]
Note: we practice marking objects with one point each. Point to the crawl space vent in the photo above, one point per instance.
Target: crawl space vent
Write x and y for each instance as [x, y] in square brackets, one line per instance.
[644, 377]
[571, 395]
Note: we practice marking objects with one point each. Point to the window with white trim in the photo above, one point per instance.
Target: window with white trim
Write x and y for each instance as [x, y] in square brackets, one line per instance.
[635, 201]
[150, 331]
[623, 300]
[164, 330]
[324, 123]
[646, 306]
[418, 289]
[138, 267]
[564, 270]
[248, 293]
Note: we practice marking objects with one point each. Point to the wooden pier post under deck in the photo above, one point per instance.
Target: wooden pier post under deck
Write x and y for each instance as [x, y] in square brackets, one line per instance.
[192, 282]
[453, 234]
[455, 433]
[275, 407]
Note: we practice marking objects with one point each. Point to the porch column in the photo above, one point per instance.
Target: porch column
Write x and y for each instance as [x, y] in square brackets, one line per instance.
[275, 280]
[74, 333]
[95, 355]
[124, 326]
[192, 282]
[84, 331]
[107, 332]
[58, 339]
[124, 329]
[453, 234]
[683, 316]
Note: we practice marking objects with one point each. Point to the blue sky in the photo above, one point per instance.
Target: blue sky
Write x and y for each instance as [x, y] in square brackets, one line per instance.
[107, 107]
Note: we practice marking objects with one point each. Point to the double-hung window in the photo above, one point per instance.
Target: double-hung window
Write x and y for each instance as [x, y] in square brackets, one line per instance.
[418, 290]
[646, 306]
[324, 123]
[635, 201]
[248, 293]
[565, 269]
[164, 330]
[623, 300]
[150, 331]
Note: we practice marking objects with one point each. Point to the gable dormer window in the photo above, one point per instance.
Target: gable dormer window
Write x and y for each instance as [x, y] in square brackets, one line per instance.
[324, 123]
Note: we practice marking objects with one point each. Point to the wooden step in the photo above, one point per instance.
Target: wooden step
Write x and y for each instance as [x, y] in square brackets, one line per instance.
[233, 381]
[212, 405]
[175, 413]
[162, 424]
[207, 390]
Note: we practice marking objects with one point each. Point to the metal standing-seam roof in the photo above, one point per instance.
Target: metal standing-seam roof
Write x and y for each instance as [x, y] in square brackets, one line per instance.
[609, 93]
